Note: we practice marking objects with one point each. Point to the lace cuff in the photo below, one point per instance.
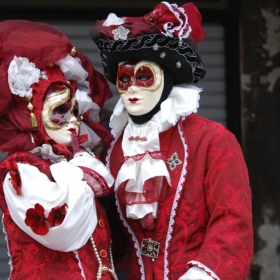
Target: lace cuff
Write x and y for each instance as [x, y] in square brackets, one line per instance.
[199, 271]
[195, 273]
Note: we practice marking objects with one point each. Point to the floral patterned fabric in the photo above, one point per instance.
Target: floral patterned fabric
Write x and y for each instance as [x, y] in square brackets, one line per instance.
[205, 218]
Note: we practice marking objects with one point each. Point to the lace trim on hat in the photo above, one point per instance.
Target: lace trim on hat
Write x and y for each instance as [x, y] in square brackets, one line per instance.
[205, 268]
[183, 23]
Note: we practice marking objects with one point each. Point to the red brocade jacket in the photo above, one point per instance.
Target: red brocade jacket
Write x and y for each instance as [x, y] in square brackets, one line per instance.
[205, 218]
[31, 260]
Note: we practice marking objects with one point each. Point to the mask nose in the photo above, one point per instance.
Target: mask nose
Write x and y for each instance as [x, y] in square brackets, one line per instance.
[73, 120]
[132, 89]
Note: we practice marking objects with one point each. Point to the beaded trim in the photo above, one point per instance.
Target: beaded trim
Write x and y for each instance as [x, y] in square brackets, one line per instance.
[102, 268]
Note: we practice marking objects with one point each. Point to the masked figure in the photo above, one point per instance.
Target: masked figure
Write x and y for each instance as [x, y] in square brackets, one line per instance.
[50, 101]
[181, 184]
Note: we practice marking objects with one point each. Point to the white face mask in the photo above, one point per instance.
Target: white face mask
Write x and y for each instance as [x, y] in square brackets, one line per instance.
[60, 116]
[140, 85]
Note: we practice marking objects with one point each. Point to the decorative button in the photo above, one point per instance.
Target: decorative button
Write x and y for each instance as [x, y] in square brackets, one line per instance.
[137, 138]
[178, 64]
[73, 51]
[103, 254]
[155, 47]
[101, 223]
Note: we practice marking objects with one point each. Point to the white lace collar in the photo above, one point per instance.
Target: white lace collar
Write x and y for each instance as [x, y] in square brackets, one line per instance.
[182, 101]
[46, 152]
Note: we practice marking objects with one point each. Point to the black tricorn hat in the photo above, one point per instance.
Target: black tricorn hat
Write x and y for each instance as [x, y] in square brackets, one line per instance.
[167, 35]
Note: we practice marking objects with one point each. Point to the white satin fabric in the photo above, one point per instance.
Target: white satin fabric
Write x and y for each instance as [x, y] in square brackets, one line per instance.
[182, 101]
[137, 172]
[80, 220]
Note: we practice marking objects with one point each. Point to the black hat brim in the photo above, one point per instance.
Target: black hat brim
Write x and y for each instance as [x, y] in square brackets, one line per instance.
[178, 56]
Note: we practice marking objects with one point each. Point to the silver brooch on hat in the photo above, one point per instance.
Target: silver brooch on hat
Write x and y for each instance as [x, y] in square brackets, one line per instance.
[120, 33]
[155, 47]
[178, 64]
[43, 75]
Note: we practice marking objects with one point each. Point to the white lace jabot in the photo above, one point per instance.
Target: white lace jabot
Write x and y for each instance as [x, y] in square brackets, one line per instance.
[182, 101]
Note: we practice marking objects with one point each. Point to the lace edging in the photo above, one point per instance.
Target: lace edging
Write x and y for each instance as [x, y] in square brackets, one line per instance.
[175, 203]
[182, 23]
[136, 245]
[205, 268]
[110, 150]
[8, 251]
[121, 215]
[79, 263]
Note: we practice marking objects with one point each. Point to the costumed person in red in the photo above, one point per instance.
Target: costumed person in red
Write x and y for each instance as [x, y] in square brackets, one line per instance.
[181, 184]
[50, 100]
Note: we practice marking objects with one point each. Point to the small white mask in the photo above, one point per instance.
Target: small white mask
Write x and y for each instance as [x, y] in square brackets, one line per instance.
[60, 116]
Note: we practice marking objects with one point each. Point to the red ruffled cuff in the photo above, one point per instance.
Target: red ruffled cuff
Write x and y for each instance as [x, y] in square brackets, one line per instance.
[97, 183]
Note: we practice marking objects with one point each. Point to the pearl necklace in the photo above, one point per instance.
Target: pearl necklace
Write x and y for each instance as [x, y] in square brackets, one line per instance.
[102, 268]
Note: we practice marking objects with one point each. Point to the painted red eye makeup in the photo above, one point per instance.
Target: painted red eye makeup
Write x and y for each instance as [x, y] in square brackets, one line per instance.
[144, 77]
[125, 76]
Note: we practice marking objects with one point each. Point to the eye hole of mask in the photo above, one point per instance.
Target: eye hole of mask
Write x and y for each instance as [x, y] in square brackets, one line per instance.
[144, 77]
[62, 113]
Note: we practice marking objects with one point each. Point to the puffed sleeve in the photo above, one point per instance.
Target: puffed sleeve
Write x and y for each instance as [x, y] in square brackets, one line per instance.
[94, 173]
[59, 214]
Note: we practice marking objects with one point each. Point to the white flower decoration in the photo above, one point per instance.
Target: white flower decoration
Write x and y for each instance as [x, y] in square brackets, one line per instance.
[21, 75]
[120, 33]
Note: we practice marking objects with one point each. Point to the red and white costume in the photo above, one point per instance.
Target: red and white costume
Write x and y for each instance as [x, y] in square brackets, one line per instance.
[203, 217]
[50, 101]
[65, 252]
[182, 188]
